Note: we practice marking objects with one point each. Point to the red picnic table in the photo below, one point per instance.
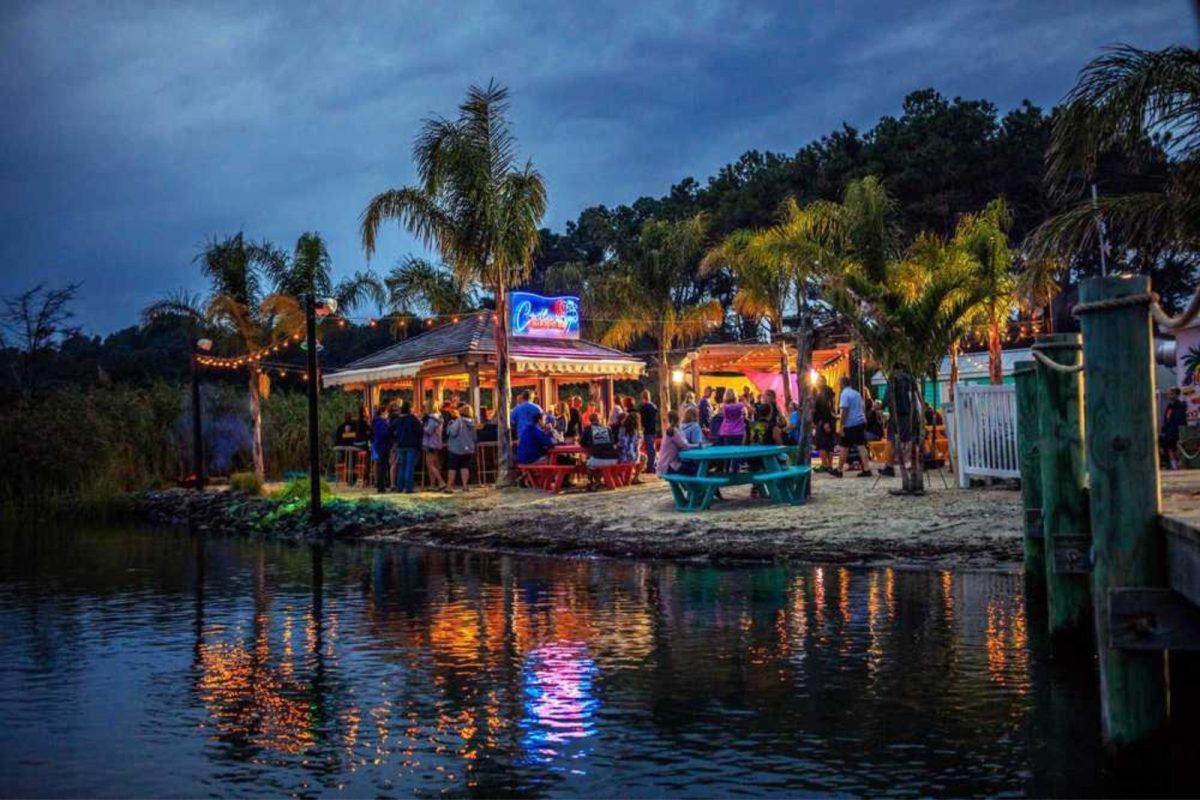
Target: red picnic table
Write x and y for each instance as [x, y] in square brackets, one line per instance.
[549, 477]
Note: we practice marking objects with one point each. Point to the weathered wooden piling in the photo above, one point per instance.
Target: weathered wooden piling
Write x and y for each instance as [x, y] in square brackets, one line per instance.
[1118, 350]
[1031, 473]
[1063, 479]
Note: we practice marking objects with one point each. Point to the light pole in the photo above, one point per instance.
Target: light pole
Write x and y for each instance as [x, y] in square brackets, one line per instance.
[312, 309]
[198, 468]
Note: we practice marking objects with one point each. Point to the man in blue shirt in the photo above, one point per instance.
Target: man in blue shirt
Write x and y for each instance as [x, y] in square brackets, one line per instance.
[525, 414]
[534, 445]
[854, 428]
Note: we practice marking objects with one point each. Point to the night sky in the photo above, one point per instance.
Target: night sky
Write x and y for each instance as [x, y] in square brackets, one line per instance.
[132, 132]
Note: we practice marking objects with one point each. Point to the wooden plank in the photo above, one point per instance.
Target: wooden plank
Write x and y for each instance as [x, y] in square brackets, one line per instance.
[1122, 447]
[1153, 620]
[1183, 562]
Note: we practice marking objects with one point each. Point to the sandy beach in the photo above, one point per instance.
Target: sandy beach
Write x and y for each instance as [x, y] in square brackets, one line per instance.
[847, 521]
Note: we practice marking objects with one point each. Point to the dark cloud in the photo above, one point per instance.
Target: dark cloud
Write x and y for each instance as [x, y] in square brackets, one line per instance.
[132, 132]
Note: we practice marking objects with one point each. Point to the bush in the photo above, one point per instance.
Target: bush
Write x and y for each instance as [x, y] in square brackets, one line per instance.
[246, 483]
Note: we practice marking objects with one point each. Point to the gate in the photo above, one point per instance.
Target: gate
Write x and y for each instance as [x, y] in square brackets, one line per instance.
[985, 432]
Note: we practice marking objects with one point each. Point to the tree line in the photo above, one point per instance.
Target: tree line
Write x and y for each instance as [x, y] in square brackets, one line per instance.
[946, 219]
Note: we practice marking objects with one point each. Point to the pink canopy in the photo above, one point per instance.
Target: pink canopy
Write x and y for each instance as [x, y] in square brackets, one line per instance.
[773, 381]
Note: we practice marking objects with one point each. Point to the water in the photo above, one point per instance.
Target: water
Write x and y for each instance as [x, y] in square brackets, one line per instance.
[153, 663]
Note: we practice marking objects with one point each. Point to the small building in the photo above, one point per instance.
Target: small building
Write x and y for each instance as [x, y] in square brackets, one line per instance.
[734, 364]
[545, 354]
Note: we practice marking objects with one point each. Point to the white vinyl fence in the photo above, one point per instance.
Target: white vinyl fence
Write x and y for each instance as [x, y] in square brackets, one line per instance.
[984, 422]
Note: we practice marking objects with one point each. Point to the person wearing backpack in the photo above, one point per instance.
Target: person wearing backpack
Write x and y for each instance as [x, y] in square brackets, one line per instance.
[460, 441]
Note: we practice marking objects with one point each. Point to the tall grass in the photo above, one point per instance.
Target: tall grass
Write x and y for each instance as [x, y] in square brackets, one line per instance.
[85, 449]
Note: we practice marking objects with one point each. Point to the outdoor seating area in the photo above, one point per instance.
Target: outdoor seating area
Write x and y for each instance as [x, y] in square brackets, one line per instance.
[768, 471]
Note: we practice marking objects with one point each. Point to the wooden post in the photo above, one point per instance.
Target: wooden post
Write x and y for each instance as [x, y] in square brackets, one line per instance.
[418, 402]
[1118, 351]
[473, 386]
[1064, 504]
[1031, 473]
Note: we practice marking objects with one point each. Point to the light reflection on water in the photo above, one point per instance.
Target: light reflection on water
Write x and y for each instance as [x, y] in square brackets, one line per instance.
[155, 663]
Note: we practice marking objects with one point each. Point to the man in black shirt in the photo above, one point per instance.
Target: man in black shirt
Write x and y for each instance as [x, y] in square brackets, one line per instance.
[601, 444]
[1174, 418]
[649, 414]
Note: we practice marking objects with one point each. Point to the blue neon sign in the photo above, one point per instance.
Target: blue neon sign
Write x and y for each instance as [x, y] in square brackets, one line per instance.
[535, 317]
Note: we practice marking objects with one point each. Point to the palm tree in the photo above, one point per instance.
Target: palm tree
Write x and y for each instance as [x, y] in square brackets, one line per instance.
[802, 249]
[764, 287]
[310, 271]
[1037, 284]
[907, 315]
[236, 304]
[984, 238]
[479, 206]
[656, 294]
[417, 286]
[1124, 99]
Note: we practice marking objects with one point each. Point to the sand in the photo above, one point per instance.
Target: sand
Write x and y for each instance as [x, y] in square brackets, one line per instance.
[847, 521]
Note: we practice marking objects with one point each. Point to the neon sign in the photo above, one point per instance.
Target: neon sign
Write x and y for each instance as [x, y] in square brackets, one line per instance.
[536, 317]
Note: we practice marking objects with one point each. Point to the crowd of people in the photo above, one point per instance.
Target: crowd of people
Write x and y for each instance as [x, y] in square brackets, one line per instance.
[444, 439]
[400, 440]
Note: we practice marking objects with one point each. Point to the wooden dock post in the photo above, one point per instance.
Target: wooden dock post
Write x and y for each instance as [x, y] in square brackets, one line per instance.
[1122, 446]
[1064, 499]
[1031, 474]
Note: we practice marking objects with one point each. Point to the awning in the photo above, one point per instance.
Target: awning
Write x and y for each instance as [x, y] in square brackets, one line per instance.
[388, 372]
[566, 366]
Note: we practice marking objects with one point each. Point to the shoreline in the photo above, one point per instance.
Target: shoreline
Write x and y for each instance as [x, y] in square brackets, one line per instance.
[845, 523]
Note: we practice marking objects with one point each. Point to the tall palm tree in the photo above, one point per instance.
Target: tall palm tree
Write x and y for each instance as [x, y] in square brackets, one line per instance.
[418, 286]
[656, 294]
[1123, 99]
[803, 248]
[310, 271]
[479, 206]
[236, 304]
[984, 238]
[764, 287]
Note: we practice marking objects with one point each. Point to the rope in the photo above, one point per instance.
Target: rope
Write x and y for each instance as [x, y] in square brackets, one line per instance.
[1185, 453]
[1165, 320]
[1050, 363]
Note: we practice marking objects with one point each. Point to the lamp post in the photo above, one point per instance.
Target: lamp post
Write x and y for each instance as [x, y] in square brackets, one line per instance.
[198, 467]
[312, 309]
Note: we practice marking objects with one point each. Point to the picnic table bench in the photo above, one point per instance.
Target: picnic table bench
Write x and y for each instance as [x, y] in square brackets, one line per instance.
[780, 483]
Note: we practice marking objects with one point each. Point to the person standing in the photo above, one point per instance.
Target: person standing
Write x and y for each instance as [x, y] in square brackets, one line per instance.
[705, 408]
[629, 445]
[525, 414]
[854, 428]
[406, 448]
[824, 423]
[432, 442]
[461, 445]
[1174, 418]
[575, 418]
[617, 414]
[381, 449]
[649, 414]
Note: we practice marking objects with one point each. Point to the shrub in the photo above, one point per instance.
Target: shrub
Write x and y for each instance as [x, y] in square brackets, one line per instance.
[246, 482]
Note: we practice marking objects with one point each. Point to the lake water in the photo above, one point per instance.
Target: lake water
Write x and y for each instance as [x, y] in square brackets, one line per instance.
[137, 662]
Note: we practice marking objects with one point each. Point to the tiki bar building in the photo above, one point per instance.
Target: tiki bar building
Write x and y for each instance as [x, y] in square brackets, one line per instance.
[732, 365]
[545, 353]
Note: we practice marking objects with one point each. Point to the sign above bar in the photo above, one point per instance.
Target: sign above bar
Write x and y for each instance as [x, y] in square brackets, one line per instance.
[535, 317]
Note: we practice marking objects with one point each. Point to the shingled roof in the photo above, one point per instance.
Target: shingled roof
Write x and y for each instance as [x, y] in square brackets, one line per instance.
[472, 335]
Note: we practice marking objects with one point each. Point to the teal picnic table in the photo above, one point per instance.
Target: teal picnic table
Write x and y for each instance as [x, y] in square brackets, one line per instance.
[781, 482]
